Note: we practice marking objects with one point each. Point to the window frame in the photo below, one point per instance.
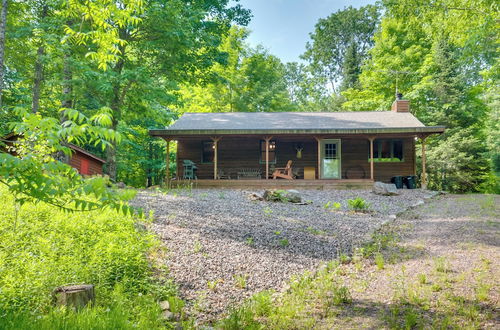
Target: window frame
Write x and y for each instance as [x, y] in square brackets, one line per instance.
[203, 152]
[377, 157]
[262, 151]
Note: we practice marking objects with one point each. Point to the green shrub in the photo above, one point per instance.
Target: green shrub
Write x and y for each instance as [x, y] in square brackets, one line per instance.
[358, 204]
[340, 295]
[42, 248]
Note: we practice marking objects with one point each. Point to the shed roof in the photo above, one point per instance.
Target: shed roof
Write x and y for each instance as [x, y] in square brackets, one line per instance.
[86, 153]
[295, 122]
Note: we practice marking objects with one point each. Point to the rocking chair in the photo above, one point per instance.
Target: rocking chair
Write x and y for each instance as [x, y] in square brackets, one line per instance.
[284, 172]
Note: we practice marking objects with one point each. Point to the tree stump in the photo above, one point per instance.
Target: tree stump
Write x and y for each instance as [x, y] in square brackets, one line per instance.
[74, 296]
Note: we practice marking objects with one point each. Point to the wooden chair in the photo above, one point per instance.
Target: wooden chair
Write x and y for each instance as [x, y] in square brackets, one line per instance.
[284, 172]
[189, 170]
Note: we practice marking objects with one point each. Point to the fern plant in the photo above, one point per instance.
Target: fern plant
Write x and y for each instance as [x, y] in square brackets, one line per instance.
[358, 204]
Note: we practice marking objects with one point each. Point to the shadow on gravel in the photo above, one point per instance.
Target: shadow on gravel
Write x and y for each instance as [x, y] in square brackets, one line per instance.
[409, 315]
[457, 219]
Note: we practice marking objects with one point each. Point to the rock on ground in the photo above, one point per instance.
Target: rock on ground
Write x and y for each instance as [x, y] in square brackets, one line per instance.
[385, 189]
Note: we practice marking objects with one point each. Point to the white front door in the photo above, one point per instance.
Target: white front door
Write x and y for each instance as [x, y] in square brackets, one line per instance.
[330, 159]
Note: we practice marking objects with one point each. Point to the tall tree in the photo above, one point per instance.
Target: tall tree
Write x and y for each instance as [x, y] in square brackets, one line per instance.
[3, 23]
[250, 79]
[426, 49]
[345, 30]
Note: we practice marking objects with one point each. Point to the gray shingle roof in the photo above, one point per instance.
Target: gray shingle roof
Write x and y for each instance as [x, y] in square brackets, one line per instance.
[294, 120]
[291, 122]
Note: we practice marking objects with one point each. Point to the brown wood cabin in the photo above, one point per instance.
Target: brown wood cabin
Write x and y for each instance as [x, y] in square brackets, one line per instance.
[324, 147]
[82, 160]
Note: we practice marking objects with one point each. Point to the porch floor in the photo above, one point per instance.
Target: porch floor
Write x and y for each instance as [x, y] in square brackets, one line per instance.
[277, 184]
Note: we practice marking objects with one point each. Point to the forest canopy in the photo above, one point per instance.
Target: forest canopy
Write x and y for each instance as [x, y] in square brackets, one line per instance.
[128, 66]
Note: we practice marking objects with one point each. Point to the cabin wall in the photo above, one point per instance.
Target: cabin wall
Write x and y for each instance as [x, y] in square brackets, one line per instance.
[356, 165]
[243, 152]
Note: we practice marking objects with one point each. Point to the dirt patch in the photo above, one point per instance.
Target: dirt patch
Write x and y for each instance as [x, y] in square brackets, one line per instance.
[442, 271]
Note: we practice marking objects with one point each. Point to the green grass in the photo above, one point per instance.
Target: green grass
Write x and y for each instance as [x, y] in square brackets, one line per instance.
[42, 248]
[240, 281]
[292, 309]
[379, 261]
[284, 242]
[197, 247]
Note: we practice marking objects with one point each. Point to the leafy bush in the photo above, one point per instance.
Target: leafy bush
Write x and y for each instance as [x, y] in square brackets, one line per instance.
[358, 204]
[42, 248]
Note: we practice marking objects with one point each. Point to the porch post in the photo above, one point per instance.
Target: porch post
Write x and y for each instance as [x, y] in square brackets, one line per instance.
[267, 139]
[176, 160]
[216, 140]
[319, 156]
[372, 176]
[424, 173]
[167, 179]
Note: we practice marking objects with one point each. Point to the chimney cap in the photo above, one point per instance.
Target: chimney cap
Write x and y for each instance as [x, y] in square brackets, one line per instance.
[399, 96]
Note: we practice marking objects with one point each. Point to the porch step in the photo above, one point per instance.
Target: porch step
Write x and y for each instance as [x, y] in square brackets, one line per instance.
[277, 184]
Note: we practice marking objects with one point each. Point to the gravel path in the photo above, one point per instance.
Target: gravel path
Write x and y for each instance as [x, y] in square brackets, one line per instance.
[224, 247]
[445, 262]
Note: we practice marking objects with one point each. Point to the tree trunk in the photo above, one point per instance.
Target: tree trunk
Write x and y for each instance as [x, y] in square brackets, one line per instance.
[67, 92]
[37, 80]
[116, 106]
[149, 182]
[74, 296]
[3, 24]
[38, 77]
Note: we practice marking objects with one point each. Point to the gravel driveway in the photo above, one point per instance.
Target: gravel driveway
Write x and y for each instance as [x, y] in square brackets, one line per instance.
[224, 247]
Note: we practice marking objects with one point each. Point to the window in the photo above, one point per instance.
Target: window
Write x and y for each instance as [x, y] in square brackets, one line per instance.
[207, 151]
[387, 151]
[330, 150]
[272, 152]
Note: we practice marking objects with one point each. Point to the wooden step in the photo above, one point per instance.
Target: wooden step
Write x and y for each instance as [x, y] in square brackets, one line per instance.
[275, 184]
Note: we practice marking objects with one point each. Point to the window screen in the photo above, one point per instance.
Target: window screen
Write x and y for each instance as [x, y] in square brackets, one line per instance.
[387, 150]
[208, 150]
[272, 151]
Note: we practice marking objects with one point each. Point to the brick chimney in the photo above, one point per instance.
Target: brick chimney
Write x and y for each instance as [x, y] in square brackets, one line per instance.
[400, 105]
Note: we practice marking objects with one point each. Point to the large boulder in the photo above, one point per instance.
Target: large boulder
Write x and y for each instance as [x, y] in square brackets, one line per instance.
[278, 195]
[385, 189]
[293, 196]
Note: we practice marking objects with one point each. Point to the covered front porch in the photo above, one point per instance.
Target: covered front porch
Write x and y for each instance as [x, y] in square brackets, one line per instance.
[317, 161]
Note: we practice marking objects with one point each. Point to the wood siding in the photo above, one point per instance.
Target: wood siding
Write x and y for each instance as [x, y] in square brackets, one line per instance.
[236, 152]
[94, 166]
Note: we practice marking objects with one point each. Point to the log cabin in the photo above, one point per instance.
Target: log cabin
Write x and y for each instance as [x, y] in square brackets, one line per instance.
[325, 148]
